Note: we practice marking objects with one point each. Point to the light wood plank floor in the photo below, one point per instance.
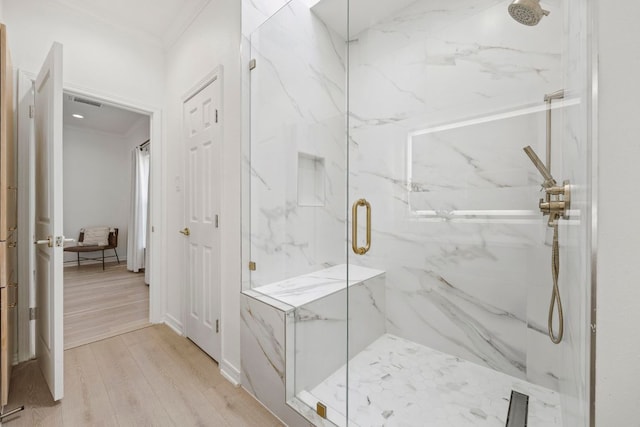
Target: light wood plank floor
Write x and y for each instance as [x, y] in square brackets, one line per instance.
[149, 377]
[102, 304]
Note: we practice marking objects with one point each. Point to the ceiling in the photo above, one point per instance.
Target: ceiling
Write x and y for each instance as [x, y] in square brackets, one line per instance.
[362, 13]
[105, 118]
[164, 20]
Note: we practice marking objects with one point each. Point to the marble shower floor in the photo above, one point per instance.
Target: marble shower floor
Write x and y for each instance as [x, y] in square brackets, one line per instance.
[396, 382]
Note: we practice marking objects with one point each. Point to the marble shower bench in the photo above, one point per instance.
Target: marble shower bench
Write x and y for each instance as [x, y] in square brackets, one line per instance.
[294, 334]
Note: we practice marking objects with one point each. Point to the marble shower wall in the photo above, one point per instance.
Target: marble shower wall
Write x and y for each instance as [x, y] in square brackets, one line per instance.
[298, 146]
[443, 96]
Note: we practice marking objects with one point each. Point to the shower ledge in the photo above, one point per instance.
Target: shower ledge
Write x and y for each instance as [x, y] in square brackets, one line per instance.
[300, 290]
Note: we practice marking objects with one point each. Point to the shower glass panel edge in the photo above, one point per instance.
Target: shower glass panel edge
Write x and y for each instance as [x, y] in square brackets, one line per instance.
[298, 174]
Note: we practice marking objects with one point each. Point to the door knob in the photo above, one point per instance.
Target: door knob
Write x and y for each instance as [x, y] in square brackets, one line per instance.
[186, 231]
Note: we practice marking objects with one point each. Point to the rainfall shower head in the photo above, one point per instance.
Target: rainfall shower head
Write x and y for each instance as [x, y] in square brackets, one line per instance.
[527, 12]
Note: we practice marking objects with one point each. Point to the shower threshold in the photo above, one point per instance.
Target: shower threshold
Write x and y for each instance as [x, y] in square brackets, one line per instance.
[398, 382]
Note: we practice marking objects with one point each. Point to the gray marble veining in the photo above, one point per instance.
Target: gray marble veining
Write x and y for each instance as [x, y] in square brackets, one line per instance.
[395, 382]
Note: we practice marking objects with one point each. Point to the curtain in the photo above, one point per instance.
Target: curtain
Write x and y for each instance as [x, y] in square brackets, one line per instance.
[147, 269]
[137, 233]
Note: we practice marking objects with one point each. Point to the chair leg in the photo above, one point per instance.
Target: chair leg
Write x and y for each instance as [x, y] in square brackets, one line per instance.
[103, 259]
[114, 250]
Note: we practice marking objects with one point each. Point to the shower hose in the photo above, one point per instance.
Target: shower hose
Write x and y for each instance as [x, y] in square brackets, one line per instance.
[555, 293]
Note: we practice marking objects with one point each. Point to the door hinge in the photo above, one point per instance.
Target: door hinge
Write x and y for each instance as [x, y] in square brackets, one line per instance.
[216, 115]
[252, 266]
[217, 221]
[32, 111]
[252, 64]
[321, 409]
[217, 326]
[33, 313]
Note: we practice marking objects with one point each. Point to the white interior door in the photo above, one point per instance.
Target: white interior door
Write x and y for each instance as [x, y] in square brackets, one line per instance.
[203, 142]
[48, 209]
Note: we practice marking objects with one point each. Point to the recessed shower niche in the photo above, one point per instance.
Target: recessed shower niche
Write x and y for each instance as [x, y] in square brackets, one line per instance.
[311, 180]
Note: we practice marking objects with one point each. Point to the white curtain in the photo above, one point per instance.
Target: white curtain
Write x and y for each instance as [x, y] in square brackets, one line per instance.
[137, 233]
[147, 268]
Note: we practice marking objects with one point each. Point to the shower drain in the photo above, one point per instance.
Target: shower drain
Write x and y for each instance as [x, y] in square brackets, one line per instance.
[518, 410]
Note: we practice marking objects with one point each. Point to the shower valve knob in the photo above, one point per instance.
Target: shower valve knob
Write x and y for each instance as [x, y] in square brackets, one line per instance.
[557, 202]
[558, 206]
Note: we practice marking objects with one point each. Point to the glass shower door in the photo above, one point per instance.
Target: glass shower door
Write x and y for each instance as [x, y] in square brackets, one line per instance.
[450, 257]
[298, 158]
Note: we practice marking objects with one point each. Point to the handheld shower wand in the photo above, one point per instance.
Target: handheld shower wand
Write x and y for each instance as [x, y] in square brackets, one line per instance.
[546, 173]
[556, 204]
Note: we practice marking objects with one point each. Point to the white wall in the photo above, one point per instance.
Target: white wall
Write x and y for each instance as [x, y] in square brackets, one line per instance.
[97, 56]
[97, 180]
[212, 40]
[618, 273]
[97, 176]
[129, 67]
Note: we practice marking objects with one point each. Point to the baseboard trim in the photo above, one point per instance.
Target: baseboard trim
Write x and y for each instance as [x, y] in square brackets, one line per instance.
[174, 324]
[230, 372]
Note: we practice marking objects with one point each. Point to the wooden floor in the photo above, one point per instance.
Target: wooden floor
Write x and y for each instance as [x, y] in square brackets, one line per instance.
[149, 377]
[101, 304]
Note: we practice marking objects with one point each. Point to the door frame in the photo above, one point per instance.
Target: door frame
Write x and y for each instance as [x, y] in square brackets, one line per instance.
[26, 188]
[215, 74]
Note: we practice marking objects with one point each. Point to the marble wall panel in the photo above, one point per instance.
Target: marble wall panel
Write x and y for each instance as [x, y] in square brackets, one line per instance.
[298, 102]
[263, 358]
[321, 330]
[462, 82]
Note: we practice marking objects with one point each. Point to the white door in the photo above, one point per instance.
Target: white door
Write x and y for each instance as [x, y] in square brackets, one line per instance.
[203, 148]
[48, 209]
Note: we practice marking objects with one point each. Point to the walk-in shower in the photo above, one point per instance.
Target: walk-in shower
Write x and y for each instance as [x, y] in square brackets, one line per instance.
[397, 262]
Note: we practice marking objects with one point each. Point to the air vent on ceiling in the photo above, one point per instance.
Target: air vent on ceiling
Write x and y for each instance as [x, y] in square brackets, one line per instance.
[87, 101]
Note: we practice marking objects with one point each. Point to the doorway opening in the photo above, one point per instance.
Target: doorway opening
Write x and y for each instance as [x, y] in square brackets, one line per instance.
[106, 157]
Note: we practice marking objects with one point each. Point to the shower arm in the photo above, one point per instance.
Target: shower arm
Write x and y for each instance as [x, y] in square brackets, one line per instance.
[549, 98]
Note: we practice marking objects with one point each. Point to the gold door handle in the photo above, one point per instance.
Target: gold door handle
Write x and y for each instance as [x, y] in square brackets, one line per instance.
[186, 231]
[354, 227]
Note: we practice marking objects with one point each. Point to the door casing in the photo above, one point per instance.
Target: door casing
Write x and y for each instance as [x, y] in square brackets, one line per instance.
[26, 156]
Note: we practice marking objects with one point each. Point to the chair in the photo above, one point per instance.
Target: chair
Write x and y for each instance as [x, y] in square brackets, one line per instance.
[112, 244]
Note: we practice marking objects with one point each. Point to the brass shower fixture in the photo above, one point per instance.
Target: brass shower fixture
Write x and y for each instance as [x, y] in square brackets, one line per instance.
[556, 204]
[557, 200]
